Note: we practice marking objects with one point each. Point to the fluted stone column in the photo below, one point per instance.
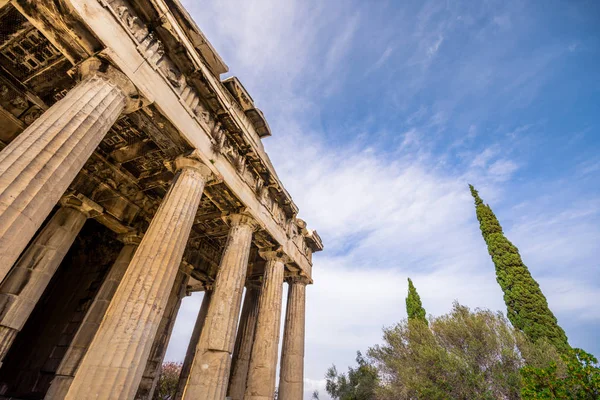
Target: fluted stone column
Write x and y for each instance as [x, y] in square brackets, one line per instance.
[113, 366]
[91, 322]
[243, 342]
[159, 347]
[191, 350]
[25, 284]
[210, 370]
[263, 362]
[37, 167]
[291, 376]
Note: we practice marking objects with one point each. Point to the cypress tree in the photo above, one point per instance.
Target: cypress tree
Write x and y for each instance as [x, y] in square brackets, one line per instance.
[414, 308]
[527, 308]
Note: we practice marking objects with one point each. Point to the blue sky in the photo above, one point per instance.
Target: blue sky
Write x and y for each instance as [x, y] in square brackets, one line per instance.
[383, 111]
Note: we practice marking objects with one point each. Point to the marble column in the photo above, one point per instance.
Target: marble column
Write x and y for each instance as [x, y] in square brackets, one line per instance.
[26, 282]
[243, 342]
[91, 322]
[210, 370]
[262, 370]
[159, 347]
[37, 167]
[291, 376]
[191, 350]
[114, 364]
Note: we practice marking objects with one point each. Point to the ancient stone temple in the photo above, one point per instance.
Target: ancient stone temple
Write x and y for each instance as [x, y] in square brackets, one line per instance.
[130, 176]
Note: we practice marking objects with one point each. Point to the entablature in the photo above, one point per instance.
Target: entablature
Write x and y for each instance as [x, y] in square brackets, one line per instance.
[190, 109]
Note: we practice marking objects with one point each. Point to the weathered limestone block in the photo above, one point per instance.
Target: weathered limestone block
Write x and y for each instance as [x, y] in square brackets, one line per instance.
[291, 376]
[263, 362]
[114, 364]
[191, 350]
[91, 322]
[37, 167]
[25, 284]
[243, 343]
[210, 370]
[159, 347]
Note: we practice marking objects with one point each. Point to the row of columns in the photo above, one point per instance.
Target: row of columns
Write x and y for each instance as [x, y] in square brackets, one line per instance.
[116, 347]
[254, 359]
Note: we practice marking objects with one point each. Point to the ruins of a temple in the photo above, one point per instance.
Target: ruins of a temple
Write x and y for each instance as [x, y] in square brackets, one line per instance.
[130, 176]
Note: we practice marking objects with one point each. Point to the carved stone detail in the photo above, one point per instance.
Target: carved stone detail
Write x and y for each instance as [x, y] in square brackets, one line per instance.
[153, 51]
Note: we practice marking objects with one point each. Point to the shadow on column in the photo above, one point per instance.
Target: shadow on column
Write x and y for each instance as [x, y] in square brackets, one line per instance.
[32, 361]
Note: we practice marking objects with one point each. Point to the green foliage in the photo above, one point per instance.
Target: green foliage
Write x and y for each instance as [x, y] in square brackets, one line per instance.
[463, 355]
[527, 308]
[414, 307]
[359, 384]
[578, 379]
[167, 381]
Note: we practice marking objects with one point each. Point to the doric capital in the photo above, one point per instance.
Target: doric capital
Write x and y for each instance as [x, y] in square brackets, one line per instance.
[131, 238]
[186, 267]
[298, 280]
[192, 161]
[82, 204]
[274, 255]
[96, 67]
[242, 219]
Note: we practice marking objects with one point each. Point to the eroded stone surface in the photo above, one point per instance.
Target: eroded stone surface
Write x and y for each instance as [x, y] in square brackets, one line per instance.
[243, 343]
[209, 375]
[70, 74]
[159, 347]
[38, 166]
[191, 350]
[114, 364]
[91, 322]
[291, 376]
[263, 362]
[28, 279]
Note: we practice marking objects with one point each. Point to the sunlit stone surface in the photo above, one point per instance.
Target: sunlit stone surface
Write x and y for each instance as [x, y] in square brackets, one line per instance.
[131, 175]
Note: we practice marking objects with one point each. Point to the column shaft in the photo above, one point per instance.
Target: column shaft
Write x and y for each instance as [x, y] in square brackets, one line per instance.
[38, 166]
[191, 350]
[159, 347]
[263, 362]
[114, 364]
[291, 376]
[210, 370]
[90, 324]
[25, 284]
[243, 343]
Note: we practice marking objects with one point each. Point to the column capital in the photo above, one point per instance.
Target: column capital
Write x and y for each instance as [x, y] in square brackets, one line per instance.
[96, 67]
[131, 238]
[298, 279]
[186, 267]
[82, 204]
[274, 254]
[242, 219]
[191, 161]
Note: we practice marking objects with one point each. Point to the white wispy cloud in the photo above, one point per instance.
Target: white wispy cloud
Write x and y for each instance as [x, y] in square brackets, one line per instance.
[435, 46]
[340, 44]
[381, 60]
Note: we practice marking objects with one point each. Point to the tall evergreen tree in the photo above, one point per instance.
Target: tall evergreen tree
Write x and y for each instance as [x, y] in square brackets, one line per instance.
[414, 308]
[527, 308]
